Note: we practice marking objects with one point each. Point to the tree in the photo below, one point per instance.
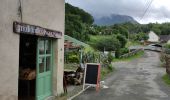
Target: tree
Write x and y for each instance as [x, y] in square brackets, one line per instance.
[76, 22]
[107, 43]
[84, 16]
[142, 36]
[122, 40]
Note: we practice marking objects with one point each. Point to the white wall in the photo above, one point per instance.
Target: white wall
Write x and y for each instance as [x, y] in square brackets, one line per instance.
[49, 14]
[153, 37]
[9, 50]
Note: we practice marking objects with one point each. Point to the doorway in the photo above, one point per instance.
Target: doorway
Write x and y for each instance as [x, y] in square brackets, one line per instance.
[35, 67]
[27, 67]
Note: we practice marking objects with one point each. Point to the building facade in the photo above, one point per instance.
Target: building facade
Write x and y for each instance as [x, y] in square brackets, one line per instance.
[24, 50]
[153, 37]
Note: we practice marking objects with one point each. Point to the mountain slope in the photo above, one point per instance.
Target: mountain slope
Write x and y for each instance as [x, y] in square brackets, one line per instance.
[114, 19]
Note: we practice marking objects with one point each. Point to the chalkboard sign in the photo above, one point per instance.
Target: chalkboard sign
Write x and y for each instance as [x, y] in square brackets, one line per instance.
[92, 74]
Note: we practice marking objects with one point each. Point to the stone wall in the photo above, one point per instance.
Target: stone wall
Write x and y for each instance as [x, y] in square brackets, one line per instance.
[167, 63]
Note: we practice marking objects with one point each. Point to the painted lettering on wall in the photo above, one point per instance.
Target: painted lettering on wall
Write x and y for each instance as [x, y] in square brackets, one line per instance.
[24, 28]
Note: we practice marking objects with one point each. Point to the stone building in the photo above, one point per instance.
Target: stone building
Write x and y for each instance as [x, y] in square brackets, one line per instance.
[31, 49]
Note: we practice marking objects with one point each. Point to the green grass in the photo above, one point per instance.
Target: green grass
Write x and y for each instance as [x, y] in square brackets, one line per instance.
[166, 79]
[96, 37]
[132, 43]
[138, 55]
[105, 71]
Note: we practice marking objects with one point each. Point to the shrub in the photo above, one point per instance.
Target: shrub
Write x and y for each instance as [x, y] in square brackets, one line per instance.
[167, 46]
[122, 40]
[110, 67]
[72, 58]
[117, 53]
[124, 51]
[109, 57]
[107, 44]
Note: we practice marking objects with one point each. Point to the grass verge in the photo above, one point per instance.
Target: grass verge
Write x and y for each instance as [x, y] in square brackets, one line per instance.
[106, 70]
[138, 55]
[166, 79]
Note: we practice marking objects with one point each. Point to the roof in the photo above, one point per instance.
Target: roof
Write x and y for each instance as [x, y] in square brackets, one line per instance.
[70, 45]
[74, 41]
[164, 37]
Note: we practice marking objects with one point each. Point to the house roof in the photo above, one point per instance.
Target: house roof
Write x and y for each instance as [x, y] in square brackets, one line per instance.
[74, 41]
[164, 37]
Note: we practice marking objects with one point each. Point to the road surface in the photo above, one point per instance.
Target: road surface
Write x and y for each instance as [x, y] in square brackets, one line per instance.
[139, 79]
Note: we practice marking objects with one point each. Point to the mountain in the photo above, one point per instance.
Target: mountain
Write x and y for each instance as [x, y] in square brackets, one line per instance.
[114, 19]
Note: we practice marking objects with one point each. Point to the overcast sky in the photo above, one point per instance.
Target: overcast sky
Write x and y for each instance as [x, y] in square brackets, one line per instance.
[159, 11]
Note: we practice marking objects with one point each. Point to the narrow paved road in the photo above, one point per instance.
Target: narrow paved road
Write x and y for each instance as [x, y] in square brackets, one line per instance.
[139, 79]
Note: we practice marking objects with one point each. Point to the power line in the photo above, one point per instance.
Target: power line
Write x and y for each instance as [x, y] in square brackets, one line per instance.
[148, 6]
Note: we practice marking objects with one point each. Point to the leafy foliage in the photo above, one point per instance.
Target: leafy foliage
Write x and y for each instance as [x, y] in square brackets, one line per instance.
[72, 57]
[84, 16]
[76, 22]
[107, 44]
[122, 40]
[109, 57]
[138, 37]
[124, 51]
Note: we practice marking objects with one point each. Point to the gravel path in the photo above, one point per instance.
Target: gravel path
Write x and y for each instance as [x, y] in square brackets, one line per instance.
[139, 79]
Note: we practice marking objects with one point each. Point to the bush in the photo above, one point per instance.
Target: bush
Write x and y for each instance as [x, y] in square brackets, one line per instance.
[122, 40]
[124, 51]
[106, 43]
[110, 67]
[167, 46]
[106, 70]
[73, 58]
[109, 57]
[117, 53]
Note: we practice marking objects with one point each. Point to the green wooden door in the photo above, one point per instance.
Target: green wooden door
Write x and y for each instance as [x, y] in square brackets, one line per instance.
[44, 69]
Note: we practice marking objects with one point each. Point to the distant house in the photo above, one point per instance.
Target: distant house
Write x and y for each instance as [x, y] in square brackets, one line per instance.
[164, 39]
[153, 37]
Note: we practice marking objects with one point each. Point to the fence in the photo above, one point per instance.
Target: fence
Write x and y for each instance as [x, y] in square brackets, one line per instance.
[131, 53]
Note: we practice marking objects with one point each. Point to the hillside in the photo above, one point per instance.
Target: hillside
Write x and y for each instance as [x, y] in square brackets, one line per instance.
[114, 19]
[76, 20]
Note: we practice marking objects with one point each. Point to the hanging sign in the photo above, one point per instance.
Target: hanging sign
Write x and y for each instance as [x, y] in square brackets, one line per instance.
[24, 28]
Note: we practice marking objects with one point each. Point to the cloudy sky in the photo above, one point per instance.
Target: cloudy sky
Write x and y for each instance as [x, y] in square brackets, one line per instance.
[159, 10]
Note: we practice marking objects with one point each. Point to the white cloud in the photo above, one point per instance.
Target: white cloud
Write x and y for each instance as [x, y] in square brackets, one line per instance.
[159, 10]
